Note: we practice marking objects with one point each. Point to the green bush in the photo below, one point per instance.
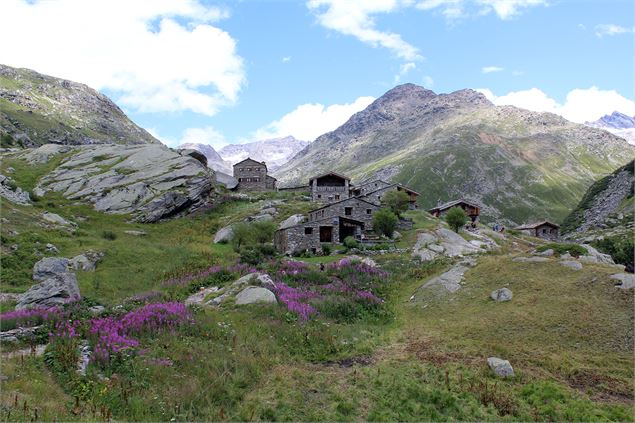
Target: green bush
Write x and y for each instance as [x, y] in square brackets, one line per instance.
[620, 248]
[326, 249]
[559, 249]
[385, 222]
[109, 235]
[254, 233]
[263, 231]
[351, 242]
[396, 201]
[256, 254]
[456, 218]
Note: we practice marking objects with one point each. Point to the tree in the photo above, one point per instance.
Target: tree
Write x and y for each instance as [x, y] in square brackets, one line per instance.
[385, 222]
[396, 201]
[242, 235]
[456, 218]
[263, 231]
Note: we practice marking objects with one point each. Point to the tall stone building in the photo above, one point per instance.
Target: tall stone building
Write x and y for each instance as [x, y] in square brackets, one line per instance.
[329, 187]
[252, 176]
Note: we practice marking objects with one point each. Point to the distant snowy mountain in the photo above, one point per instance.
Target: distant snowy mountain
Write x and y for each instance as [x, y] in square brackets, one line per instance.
[214, 160]
[275, 152]
[617, 123]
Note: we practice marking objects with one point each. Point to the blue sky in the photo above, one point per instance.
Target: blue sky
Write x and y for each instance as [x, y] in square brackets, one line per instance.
[237, 71]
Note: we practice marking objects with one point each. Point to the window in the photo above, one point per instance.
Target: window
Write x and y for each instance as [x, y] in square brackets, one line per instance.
[369, 211]
[348, 211]
[379, 197]
[375, 184]
[319, 195]
[242, 169]
[337, 196]
[248, 169]
[256, 179]
[308, 231]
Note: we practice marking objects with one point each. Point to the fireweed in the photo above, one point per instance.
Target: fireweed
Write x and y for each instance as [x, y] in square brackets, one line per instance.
[29, 317]
[305, 291]
[182, 281]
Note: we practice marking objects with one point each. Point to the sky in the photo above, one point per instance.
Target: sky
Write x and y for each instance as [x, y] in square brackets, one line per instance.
[239, 71]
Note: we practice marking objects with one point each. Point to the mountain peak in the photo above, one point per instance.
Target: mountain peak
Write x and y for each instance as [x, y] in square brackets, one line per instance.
[615, 120]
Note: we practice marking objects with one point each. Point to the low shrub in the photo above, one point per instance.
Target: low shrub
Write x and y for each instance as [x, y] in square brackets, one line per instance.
[327, 249]
[619, 248]
[385, 222]
[109, 235]
[350, 242]
[256, 254]
[559, 249]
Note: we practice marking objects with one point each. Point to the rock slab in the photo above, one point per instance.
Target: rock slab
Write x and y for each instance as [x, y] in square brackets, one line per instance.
[502, 294]
[255, 294]
[57, 284]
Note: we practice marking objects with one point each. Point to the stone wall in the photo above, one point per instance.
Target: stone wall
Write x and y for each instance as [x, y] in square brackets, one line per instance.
[295, 238]
[358, 208]
[252, 176]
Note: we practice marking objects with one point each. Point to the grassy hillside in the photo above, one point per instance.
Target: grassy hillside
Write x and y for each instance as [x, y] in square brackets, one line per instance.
[520, 165]
[568, 334]
[36, 109]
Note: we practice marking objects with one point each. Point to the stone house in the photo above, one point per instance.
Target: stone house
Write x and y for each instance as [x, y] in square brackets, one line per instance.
[313, 234]
[352, 208]
[375, 190]
[472, 210]
[252, 176]
[330, 187]
[544, 229]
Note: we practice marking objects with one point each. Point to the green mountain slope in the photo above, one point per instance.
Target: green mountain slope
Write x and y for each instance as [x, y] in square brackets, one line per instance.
[520, 165]
[36, 109]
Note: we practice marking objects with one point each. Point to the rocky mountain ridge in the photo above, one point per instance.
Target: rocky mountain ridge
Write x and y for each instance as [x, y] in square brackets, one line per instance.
[617, 123]
[214, 160]
[519, 165]
[275, 152]
[37, 109]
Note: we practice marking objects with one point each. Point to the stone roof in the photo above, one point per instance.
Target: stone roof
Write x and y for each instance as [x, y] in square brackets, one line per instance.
[536, 225]
[451, 204]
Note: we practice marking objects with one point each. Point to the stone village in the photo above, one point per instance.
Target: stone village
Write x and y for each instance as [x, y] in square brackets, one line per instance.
[346, 209]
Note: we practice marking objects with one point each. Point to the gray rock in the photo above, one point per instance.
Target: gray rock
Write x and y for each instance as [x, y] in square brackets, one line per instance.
[83, 357]
[292, 220]
[502, 294]
[396, 235]
[546, 253]
[135, 233]
[17, 195]
[575, 265]
[17, 334]
[52, 248]
[260, 217]
[627, 280]
[594, 256]
[502, 368]
[199, 297]
[149, 181]
[254, 294]
[261, 279]
[57, 285]
[450, 281]
[224, 235]
[87, 261]
[530, 259]
[269, 210]
[43, 153]
[97, 310]
[56, 219]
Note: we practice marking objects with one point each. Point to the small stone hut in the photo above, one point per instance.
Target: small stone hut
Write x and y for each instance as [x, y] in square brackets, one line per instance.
[544, 229]
[472, 210]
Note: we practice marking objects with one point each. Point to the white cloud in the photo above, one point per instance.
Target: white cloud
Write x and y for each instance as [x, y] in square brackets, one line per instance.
[309, 121]
[286, 59]
[427, 82]
[612, 29]
[156, 56]
[491, 69]
[457, 9]
[355, 17]
[404, 69]
[581, 105]
[205, 135]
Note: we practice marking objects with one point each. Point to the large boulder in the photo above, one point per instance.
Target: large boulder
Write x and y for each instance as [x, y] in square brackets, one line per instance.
[292, 220]
[445, 242]
[501, 368]
[57, 284]
[149, 181]
[56, 219]
[224, 235]
[255, 294]
[594, 256]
